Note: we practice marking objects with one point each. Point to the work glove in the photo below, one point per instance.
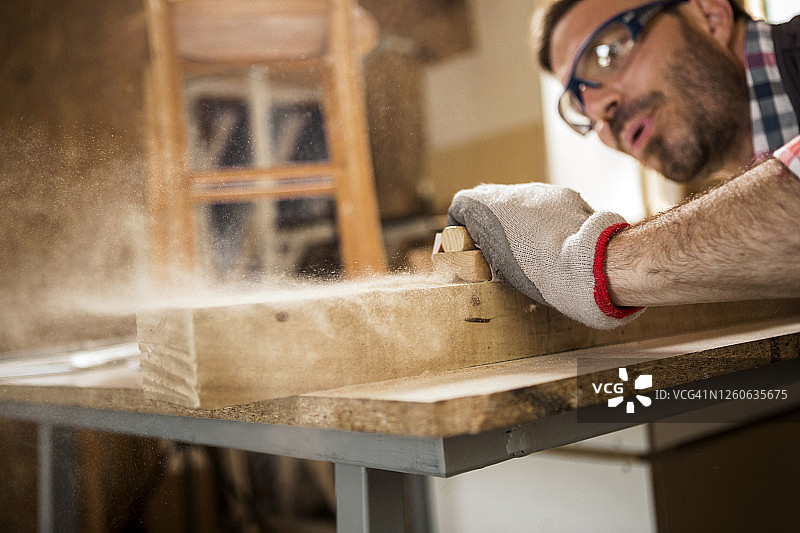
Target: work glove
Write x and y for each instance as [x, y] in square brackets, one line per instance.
[546, 242]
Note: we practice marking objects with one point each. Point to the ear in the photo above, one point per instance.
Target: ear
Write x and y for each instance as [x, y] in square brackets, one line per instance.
[718, 19]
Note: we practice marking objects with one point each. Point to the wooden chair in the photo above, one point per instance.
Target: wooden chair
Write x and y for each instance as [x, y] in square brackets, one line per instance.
[198, 37]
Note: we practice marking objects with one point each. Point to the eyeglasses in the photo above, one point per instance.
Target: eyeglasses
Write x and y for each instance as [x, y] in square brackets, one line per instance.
[602, 55]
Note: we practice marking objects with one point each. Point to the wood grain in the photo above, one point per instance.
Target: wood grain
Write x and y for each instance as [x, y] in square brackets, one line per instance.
[468, 266]
[457, 239]
[456, 258]
[469, 400]
[473, 400]
[256, 347]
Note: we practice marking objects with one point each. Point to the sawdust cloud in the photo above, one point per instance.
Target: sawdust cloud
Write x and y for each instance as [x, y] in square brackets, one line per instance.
[277, 288]
[75, 247]
[73, 234]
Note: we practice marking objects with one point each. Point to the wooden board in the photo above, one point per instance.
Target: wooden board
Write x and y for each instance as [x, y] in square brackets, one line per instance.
[237, 350]
[246, 31]
[468, 400]
[473, 400]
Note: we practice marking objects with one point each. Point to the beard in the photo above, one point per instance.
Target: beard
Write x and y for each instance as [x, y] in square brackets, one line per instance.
[710, 111]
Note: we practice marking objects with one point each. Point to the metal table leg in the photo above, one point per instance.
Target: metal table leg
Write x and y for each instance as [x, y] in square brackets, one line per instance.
[372, 501]
[57, 479]
[419, 516]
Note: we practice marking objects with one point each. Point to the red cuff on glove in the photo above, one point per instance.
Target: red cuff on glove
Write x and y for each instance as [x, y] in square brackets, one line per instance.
[601, 296]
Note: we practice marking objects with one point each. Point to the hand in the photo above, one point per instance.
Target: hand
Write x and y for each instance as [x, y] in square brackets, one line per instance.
[546, 242]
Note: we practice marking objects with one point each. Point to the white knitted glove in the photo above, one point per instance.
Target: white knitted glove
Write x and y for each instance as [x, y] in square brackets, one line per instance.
[546, 242]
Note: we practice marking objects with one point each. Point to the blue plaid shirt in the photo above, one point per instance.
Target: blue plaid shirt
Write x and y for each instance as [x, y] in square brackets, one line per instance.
[773, 118]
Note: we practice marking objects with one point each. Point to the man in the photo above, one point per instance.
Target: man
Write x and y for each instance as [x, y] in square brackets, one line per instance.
[690, 88]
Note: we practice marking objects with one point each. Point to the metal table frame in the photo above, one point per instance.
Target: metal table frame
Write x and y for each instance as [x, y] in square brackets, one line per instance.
[379, 478]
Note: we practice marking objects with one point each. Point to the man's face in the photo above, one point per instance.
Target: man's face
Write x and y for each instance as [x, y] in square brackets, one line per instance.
[679, 106]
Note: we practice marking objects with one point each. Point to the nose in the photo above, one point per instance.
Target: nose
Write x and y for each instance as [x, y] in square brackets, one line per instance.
[601, 103]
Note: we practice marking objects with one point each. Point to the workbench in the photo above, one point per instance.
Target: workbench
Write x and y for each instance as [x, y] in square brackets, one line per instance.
[384, 438]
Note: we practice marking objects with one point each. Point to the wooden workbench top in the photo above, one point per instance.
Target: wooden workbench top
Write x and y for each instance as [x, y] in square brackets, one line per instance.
[463, 401]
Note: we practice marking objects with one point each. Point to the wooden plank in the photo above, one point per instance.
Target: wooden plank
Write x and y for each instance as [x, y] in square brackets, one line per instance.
[172, 222]
[242, 349]
[468, 400]
[473, 400]
[361, 241]
[266, 189]
[264, 31]
[244, 175]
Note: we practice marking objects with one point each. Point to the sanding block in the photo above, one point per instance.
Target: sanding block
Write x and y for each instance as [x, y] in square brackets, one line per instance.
[455, 255]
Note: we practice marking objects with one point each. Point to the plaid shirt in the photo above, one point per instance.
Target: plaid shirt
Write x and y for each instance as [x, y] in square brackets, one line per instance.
[773, 118]
[789, 155]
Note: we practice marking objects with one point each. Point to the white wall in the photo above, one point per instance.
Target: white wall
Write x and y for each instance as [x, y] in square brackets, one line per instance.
[493, 89]
[781, 10]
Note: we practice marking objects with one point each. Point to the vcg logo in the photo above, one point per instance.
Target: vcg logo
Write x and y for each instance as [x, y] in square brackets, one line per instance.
[644, 381]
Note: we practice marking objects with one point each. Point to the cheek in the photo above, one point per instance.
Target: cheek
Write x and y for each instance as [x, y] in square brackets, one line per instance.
[605, 135]
[644, 78]
[648, 70]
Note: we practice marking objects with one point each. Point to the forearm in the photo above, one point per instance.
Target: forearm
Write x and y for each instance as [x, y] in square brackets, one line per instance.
[740, 241]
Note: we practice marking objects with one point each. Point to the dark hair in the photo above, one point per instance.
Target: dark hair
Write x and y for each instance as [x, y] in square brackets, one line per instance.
[549, 15]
